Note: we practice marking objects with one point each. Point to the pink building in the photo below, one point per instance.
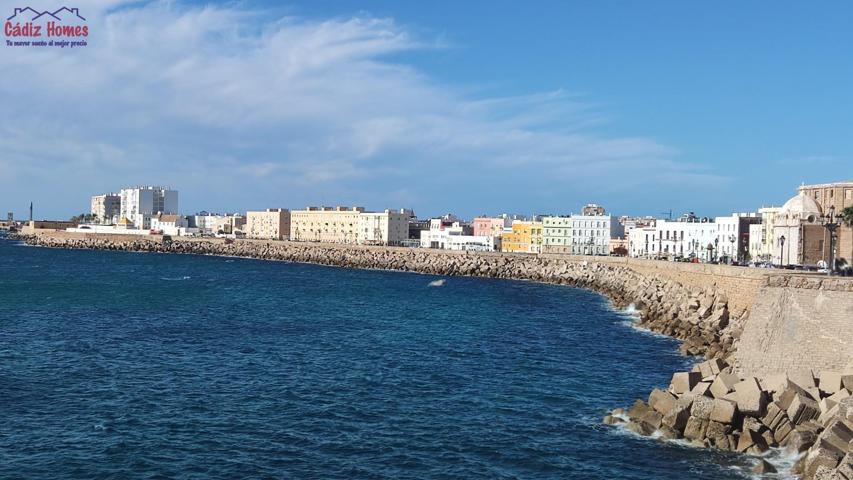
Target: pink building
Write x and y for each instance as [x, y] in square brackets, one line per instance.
[488, 226]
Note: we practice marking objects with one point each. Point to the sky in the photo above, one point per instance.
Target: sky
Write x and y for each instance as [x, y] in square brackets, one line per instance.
[475, 107]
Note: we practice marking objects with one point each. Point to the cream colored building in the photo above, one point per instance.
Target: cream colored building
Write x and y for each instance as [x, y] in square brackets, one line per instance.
[106, 208]
[271, 224]
[761, 246]
[383, 228]
[326, 224]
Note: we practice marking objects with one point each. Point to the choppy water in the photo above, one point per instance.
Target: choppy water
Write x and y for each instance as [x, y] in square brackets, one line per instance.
[125, 365]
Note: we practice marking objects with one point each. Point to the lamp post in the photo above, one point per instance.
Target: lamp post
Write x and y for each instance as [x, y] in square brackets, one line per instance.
[716, 248]
[781, 250]
[831, 226]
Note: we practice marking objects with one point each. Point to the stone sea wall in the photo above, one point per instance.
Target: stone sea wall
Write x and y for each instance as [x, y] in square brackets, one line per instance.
[778, 348]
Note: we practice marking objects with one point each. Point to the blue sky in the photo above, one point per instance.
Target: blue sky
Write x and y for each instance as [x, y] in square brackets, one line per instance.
[469, 107]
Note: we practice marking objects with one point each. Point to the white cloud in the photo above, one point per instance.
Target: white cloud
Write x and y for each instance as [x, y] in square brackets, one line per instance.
[287, 111]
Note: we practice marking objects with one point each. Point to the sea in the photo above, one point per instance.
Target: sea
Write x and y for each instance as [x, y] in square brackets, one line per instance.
[119, 365]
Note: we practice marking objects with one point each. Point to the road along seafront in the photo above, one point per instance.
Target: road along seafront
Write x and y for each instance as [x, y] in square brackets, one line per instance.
[771, 379]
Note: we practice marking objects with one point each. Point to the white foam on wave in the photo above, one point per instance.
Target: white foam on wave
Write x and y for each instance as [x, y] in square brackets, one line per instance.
[175, 279]
[437, 283]
[783, 460]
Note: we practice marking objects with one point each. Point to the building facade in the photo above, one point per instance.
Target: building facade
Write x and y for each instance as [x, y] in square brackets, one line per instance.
[106, 208]
[213, 223]
[523, 237]
[761, 235]
[454, 235]
[799, 235]
[270, 224]
[732, 242]
[591, 234]
[326, 224]
[383, 228]
[840, 196]
[140, 204]
[557, 234]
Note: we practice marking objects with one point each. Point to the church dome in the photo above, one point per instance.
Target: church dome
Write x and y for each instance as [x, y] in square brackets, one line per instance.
[802, 206]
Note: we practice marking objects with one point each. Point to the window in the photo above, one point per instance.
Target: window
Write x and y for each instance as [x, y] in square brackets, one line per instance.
[848, 194]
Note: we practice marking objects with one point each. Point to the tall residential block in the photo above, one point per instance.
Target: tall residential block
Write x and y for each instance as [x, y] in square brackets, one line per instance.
[140, 204]
[270, 224]
[106, 208]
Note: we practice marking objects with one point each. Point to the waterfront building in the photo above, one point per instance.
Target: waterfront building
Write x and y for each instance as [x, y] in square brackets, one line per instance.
[732, 241]
[214, 223]
[690, 237]
[641, 241]
[799, 235]
[269, 224]
[840, 196]
[383, 228]
[492, 227]
[454, 235]
[325, 224]
[169, 224]
[523, 237]
[761, 235]
[139, 204]
[591, 234]
[619, 246]
[557, 234]
[106, 208]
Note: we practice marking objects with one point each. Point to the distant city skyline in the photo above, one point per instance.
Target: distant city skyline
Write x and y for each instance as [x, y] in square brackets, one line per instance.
[472, 108]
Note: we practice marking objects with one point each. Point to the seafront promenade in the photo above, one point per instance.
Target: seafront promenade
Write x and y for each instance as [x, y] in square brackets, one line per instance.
[774, 341]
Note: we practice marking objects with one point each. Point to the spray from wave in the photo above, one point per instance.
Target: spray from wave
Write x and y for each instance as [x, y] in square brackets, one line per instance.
[437, 283]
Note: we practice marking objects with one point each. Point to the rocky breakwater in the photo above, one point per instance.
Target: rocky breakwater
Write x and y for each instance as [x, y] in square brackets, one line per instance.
[710, 406]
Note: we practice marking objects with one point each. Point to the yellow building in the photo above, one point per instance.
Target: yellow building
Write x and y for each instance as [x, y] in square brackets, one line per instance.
[525, 237]
[325, 224]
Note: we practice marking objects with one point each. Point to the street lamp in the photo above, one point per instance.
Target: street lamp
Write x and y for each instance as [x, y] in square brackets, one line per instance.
[716, 248]
[781, 250]
[831, 226]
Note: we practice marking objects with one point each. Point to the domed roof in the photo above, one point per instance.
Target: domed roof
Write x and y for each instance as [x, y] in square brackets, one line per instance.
[801, 204]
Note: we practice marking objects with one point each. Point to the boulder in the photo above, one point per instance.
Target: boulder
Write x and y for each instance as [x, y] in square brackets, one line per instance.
[724, 411]
[683, 382]
[695, 429]
[717, 434]
[640, 428]
[751, 400]
[801, 438]
[702, 389]
[830, 382]
[802, 409]
[723, 384]
[838, 436]
[751, 441]
[680, 413]
[661, 401]
[702, 407]
[820, 456]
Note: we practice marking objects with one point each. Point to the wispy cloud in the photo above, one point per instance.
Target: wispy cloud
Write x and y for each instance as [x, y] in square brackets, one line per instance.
[278, 110]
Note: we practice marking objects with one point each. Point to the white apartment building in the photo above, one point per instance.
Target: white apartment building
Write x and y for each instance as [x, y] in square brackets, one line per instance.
[383, 228]
[106, 208]
[454, 236]
[140, 204]
[269, 224]
[641, 241]
[169, 224]
[591, 234]
[732, 239]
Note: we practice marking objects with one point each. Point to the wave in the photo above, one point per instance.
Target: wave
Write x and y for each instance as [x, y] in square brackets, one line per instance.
[437, 283]
[175, 279]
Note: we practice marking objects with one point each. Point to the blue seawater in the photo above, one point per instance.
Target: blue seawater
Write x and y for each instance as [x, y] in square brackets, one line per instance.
[130, 365]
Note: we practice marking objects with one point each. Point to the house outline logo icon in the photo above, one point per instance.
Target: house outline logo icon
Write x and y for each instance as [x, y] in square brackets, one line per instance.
[47, 13]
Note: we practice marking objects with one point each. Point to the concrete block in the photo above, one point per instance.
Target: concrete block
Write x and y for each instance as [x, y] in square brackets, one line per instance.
[802, 409]
[838, 436]
[830, 382]
[661, 401]
[750, 440]
[820, 455]
[723, 411]
[723, 384]
[702, 389]
[751, 400]
[702, 407]
[695, 429]
[683, 382]
[802, 378]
